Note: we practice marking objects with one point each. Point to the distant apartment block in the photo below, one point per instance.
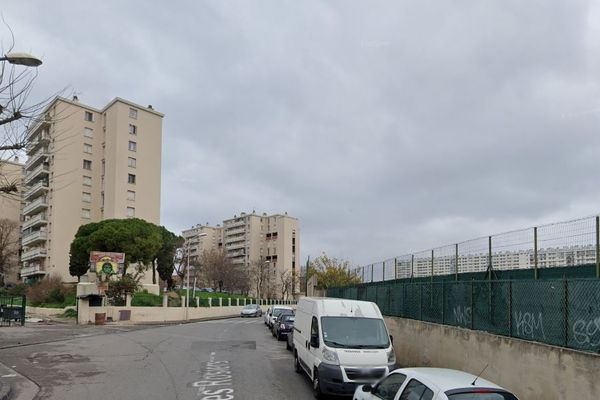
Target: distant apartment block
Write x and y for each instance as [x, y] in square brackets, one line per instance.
[506, 260]
[86, 165]
[11, 172]
[250, 238]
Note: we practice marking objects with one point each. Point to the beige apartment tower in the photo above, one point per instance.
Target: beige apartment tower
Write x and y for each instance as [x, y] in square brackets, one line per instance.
[250, 238]
[86, 165]
[11, 173]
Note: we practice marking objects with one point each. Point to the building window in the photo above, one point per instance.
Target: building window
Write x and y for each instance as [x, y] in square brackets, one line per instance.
[87, 164]
[130, 195]
[88, 132]
[132, 146]
[89, 116]
[87, 197]
[87, 148]
[131, 178]
[131, 162]
[130, 212]
[133, 113]
[85, 213]
[87, 180]
[132, 129]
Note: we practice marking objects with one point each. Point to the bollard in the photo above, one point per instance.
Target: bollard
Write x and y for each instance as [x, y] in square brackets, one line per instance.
[197, 301]
[128, 300]
[220, 302]
[165, 300]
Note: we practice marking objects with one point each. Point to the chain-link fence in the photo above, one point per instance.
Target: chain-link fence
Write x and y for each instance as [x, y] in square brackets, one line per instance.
[562, 312]
[532, 252]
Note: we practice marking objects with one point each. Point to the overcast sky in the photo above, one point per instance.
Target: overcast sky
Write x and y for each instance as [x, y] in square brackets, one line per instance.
[385, 127]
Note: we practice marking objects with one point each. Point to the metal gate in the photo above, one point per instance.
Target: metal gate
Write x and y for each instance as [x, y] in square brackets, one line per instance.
[12, 310]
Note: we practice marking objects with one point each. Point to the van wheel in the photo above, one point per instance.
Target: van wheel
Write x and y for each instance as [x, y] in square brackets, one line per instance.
[317, 385]
[297, 366]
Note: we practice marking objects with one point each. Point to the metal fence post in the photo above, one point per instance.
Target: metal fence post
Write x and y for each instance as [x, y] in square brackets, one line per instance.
[490, 258]
[432, 262]
[598, 247]
[535, 253]
[510, 308]
[456, 262]
[566, 304]
[412, 266]
[383, 271]
[443, 302]
[472, 304]
[395, 268]
[372, 270]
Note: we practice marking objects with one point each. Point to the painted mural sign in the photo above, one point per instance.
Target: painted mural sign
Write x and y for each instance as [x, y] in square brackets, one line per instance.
[106, 263]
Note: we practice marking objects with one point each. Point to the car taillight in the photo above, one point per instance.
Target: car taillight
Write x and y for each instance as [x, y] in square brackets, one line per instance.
[282, 326]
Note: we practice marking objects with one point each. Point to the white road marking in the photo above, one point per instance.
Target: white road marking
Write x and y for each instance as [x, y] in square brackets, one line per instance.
[8, 376]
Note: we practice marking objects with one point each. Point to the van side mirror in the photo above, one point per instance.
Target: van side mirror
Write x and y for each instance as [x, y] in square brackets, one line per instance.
[392, 339]
[314, 341]
[367, 388]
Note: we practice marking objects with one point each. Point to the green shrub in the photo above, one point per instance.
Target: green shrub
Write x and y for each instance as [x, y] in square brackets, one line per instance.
[70, 313]
[50, 292]
[145, 299]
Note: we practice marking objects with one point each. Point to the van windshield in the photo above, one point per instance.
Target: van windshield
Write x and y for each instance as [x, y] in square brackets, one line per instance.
[355, 332]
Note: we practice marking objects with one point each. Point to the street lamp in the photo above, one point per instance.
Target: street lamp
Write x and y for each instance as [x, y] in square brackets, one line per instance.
[187, 285]
[260, 280]
[22, 59]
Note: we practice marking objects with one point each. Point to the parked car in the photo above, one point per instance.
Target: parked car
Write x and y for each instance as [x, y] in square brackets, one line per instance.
[340, 344]
[277, 318]
[290, 341]
[432, 384]
[283, 325]
[208, 290]
[251, 310]
[276, 310]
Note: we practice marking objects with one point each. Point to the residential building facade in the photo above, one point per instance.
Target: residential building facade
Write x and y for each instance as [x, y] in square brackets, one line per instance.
[86, 165]
[11, 173]
[251, 238]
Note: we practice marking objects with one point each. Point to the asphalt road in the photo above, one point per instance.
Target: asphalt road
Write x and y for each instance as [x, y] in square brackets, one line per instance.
[213, 360]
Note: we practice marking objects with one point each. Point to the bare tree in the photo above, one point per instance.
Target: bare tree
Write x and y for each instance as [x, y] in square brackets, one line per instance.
[9, 247]
[18, 113]
[286, 284]
[262, 278]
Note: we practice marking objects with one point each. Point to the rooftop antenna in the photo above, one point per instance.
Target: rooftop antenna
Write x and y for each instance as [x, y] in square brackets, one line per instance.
[477, 377]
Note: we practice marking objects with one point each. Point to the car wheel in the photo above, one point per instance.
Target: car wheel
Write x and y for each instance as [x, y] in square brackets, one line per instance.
[297, 366]
[317, 386]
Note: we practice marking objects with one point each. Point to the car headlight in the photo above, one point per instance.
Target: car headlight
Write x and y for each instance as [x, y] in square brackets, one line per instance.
[391, 356]
[330, 356]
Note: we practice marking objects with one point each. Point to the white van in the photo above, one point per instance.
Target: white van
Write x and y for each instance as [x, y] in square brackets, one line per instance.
[340, 344]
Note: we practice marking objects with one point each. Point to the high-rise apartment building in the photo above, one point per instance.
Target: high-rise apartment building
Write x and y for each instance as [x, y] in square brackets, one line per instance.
[250, 238]
[11, 173]
[85, 165]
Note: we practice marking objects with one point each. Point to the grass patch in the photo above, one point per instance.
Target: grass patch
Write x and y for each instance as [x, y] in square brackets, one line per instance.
[144, 299]
[70, 299]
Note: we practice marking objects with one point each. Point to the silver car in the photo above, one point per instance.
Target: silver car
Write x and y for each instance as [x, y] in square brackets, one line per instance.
[251, 310]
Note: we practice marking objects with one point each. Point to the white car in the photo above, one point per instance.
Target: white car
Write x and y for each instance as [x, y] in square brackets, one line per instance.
[432, 384]
[275, 311]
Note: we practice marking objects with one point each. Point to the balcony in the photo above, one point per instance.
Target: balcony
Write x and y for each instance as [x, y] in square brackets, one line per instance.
[35, 221]
[233, 246]
[35, 237]
[32, 270]
[236, 253]
[232, 232]
[235, 224]
[234, 239]
[35, 144]
[41, 170]
[32, 254]
[36, 206]
[36, 190]
[36, 158]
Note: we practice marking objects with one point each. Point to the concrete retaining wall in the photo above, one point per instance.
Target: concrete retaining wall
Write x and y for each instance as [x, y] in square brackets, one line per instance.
[155, 314]
[532, 371]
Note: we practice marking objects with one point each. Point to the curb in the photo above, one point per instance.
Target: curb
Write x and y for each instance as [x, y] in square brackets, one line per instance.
[5, 391]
